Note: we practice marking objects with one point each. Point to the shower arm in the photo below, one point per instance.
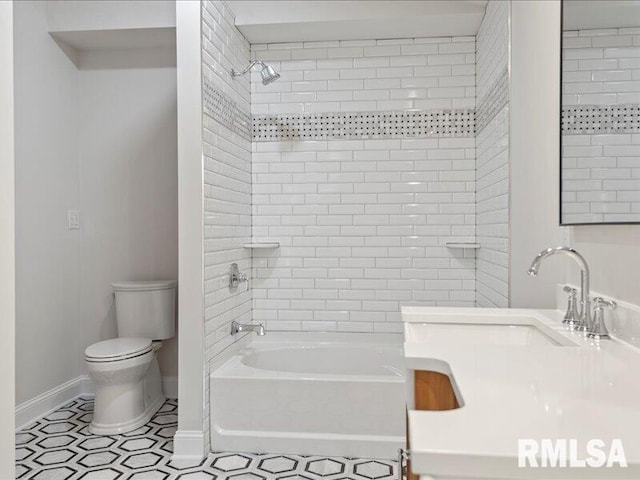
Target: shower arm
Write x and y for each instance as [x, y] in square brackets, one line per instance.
[251, 65]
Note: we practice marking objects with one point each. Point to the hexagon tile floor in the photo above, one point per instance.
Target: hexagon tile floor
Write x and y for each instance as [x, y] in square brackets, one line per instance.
[60, 447]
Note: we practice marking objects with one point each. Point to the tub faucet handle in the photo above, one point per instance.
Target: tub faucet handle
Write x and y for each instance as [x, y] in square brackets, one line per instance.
[236, 276]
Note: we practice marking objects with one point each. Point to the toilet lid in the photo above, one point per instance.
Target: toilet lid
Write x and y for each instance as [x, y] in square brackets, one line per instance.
[117, 348]
[143, 286]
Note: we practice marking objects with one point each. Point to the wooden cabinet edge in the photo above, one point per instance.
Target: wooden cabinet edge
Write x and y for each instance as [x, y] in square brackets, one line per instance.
[432, 391]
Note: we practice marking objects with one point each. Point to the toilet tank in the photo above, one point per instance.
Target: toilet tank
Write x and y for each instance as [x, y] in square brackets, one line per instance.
[146, 309]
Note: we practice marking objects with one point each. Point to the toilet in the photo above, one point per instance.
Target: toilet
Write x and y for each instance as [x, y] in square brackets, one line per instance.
[125, 370]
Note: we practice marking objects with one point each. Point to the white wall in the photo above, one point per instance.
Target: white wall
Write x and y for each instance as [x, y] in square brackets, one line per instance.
[611, 250]
[189, 442]
[7, 243]
[128, 191]
[614, 259]
[48, 327]
[102, 141]
[534, 151]
[83, 15]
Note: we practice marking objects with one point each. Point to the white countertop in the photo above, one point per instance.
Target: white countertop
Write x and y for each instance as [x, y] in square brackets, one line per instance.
[581, 392]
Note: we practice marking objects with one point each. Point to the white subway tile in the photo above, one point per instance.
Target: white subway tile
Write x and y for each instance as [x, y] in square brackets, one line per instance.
[270, 55]
[420, 82]
[371, 94]
[395, 104]
[433, 39]
[357, 43]
[343, 52]
[298, 65]
[420, 49]
[325, 74]
[452, 59]
[337, 96]
[371, 62]
[308, 86]
[322, 44]
[356, 73]
[382, 51]
[394, 72]
[308, 53]
[334, 63]
[349, 212]
[317, 107]
[382, 83]
[284, 46]
[622, 52]
[395, 41]
[345, 84]
[457, 47]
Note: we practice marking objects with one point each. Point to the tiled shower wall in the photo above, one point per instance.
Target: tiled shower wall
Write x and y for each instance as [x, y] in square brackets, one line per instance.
[492, 144]
[363, 203]
[227, 176]
[601, 125]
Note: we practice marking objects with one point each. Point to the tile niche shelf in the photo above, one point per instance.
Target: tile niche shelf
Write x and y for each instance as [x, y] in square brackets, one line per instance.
[262, 245]
[462, 245]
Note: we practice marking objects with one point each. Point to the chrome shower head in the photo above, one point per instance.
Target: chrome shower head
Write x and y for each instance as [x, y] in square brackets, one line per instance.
[267, 72]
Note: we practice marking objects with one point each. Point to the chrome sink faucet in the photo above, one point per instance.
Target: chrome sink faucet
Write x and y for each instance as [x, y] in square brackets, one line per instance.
[584, 315]
[243, 327]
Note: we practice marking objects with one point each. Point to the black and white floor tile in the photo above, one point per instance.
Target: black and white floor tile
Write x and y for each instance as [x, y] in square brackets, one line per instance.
[60, 447]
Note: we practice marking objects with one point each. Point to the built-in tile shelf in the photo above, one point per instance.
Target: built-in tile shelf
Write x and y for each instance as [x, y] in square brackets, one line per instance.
[263, 245]
[462, 245]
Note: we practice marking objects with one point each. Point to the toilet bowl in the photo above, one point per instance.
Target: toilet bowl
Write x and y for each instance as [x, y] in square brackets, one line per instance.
[127, 382]
[125, 370]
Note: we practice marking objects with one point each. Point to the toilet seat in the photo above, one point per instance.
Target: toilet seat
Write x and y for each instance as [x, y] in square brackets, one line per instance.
[118, 349]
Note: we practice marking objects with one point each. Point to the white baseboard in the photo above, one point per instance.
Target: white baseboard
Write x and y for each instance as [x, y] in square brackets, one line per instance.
[188, 448]
[82, 386]
[50, 400]
[170, 387]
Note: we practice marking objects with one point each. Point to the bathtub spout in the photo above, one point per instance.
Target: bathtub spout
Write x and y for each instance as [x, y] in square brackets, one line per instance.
[243, 327]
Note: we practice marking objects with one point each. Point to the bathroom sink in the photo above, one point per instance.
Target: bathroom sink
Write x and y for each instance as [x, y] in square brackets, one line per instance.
[506, 334]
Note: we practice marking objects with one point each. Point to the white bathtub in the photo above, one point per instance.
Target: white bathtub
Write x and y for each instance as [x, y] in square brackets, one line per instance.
[312, 394]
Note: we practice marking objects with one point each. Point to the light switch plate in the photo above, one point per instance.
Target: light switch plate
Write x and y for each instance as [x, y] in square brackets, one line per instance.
[74, 219]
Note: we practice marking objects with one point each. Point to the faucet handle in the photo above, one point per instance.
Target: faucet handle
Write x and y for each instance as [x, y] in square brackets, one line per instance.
[235, 276]
[601, 303]
[598, 330]
[571, 317]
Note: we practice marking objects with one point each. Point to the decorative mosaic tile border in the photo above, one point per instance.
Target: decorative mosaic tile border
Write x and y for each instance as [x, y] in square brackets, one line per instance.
[222, 108]
[600, 119]
[493, 101]
[364, 125]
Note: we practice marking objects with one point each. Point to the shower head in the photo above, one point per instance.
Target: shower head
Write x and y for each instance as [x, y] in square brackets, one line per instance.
[267, 72]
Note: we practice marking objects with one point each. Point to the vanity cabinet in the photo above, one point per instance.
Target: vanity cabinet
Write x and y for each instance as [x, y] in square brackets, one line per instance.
[433, 391]
[429, 390]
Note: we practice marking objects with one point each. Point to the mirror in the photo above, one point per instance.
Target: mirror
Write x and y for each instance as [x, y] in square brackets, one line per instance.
[600, 112]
